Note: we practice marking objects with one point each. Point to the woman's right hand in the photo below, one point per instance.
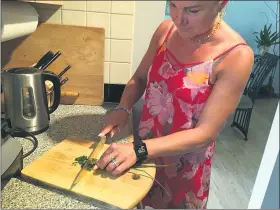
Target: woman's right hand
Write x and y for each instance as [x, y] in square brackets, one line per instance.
[115, 121]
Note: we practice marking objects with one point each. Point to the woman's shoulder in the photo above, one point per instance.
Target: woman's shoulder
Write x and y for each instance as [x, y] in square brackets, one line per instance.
[165, 25]
[236, 49]
[163, 29]
[231, 40]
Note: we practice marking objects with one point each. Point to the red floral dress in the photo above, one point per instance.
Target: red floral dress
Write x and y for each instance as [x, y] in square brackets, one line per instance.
[174, 100]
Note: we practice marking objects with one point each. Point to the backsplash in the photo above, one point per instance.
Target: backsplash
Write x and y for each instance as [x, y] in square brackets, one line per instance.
[117, 17]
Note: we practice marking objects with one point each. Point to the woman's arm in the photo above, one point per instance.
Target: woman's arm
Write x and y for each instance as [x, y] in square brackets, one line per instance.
[224, 98]
[136, 86]
[222, 102]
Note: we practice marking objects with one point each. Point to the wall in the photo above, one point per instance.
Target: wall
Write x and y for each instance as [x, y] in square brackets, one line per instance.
[265, 194]
[117, 17]
[247, 17]
[146, 21]
[271, 198]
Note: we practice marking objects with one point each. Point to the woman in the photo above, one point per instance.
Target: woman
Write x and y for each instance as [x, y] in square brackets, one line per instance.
[193, 75]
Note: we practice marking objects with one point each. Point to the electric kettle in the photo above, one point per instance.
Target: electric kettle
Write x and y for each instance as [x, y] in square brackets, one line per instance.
[25, 98]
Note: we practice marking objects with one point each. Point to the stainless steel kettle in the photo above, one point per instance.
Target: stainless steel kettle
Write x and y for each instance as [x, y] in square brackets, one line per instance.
[25, 98]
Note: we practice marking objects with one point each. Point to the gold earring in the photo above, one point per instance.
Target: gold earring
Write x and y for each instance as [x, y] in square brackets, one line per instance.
[223, 12]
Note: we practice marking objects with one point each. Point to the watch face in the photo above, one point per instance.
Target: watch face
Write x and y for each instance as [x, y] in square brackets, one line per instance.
[142, 149]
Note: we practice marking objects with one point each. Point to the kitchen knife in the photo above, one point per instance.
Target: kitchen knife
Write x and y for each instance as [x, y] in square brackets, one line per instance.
[64, 71]
[56, 55]
[46, 58]
[93, 155]
[62, 82]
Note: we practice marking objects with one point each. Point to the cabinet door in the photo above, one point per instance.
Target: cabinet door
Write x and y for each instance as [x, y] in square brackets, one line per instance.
[45, 2]
[49, 2]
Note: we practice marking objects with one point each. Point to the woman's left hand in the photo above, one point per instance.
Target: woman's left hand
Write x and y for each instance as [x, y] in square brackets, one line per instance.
[117, 158]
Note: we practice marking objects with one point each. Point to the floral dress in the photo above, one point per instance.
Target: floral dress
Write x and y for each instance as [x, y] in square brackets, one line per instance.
[174, 100]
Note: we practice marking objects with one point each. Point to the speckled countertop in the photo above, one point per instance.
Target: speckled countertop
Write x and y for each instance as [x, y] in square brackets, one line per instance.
[68, 120]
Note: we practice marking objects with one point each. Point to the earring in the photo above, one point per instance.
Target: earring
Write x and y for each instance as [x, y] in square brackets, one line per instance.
[223, 12]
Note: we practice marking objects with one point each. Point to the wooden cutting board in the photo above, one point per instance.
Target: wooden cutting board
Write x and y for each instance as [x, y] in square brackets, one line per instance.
[82, 47]
[54, 168]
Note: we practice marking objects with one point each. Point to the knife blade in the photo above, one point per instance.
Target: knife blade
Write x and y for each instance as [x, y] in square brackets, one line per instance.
[54, 57]
[93, 155]
[62, 82]
[64, 71]
[46, 58]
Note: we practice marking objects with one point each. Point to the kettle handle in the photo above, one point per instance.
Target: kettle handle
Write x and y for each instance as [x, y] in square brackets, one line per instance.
[56, 88]
[1, 83]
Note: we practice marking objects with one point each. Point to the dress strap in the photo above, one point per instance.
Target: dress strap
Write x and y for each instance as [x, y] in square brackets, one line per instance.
[168, 35]
[221, 56]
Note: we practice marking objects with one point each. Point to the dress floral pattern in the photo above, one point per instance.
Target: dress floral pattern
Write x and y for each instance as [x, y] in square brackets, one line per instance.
[174, 100]
[160, 102]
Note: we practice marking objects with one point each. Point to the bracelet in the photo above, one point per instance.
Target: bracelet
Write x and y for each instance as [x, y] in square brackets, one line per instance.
[122, 108]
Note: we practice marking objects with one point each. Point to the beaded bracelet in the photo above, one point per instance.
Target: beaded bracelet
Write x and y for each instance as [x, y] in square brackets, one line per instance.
[122, 108]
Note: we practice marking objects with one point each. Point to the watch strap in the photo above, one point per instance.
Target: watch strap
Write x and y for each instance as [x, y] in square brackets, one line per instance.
[141, 152]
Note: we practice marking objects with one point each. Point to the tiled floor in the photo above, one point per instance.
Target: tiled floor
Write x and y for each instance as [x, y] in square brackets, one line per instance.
[236, 162]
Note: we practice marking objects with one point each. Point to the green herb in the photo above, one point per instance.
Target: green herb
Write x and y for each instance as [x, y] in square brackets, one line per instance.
[83, 159]
[149, 166]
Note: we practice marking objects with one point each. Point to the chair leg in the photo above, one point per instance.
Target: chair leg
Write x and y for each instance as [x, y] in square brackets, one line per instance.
[247, 123]
[234, 118]
[241, 120]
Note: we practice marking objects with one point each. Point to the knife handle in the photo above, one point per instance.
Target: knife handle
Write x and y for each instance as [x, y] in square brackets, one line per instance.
[69, 93]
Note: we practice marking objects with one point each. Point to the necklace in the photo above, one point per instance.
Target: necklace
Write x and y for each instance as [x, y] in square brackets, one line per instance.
[207, 38]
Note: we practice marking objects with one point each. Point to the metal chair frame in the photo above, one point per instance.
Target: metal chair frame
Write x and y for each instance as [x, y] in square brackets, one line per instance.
[263, 65]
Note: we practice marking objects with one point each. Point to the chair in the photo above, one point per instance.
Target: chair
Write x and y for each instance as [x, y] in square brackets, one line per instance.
[263, 64]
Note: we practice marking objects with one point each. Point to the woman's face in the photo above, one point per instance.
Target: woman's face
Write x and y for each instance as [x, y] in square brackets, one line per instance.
[193, 17]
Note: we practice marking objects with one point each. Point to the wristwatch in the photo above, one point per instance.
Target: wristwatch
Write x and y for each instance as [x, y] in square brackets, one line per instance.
[140, 151]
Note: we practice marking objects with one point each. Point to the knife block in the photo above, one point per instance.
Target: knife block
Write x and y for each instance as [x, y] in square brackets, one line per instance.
[66, 97]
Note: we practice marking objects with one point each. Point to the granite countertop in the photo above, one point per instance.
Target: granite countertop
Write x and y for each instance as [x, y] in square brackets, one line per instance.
[68, 120]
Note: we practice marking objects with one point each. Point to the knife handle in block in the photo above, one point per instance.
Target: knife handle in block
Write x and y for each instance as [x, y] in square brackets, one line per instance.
[69, 93]
[68, 97]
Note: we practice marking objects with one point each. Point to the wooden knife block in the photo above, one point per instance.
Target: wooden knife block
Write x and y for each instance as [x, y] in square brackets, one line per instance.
[66, 97]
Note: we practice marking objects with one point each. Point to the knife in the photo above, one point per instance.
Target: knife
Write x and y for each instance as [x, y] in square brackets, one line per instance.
[64, 71]
[62, 82]
[93, 155]
[54, 57]
[46, 58]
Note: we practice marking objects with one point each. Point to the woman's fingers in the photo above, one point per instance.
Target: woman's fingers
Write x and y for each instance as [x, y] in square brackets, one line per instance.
[110, 129]
[106, 130]
[117, 158]
[106, 159]
[110, 153]
[120, 169]
[115, 163]
[107, 151]
[115, 130]
[114, 120]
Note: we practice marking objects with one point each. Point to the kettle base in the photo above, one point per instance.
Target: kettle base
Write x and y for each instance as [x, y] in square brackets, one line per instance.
[25, 132]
